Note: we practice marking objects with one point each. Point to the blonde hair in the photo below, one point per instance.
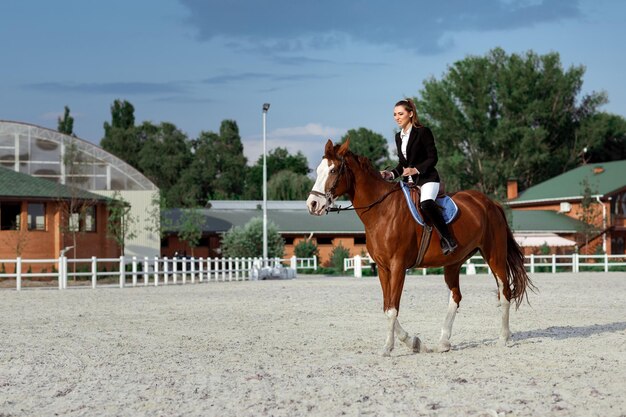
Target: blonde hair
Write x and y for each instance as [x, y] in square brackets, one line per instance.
[409, 106]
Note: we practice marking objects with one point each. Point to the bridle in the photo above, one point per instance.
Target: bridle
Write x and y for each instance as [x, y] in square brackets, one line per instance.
[331, 191]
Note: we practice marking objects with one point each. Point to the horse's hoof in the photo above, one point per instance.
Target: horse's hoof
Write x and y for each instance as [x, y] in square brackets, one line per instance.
[385, 353]
[416, 344]
[504, 341]
[444, 347]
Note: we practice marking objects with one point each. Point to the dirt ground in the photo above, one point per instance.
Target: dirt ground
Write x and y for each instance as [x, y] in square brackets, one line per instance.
[310, 347]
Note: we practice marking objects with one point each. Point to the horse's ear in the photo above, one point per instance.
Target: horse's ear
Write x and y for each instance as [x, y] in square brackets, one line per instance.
[329, 150]
[344, 148]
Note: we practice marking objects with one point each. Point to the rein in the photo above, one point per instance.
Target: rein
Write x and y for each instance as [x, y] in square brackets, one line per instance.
[329, 194]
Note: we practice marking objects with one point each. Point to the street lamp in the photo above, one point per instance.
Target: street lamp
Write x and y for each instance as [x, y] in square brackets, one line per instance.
[266, 107]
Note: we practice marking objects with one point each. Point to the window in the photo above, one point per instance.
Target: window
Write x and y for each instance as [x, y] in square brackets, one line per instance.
[324, 240]
[10, 216]
[36, 216]
[359, 240]
[89, 224]
[288, 240]
[83, 220]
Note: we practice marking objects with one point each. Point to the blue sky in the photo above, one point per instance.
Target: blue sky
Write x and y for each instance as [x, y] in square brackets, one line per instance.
[325, 66]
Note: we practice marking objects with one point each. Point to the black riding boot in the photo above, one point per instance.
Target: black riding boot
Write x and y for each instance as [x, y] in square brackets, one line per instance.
[433, 212]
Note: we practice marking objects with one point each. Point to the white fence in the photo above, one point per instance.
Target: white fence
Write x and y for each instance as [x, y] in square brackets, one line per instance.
[125, 271]
[533, 263]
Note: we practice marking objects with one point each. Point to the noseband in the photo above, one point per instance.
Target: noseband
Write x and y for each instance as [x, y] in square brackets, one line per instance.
[329, 195]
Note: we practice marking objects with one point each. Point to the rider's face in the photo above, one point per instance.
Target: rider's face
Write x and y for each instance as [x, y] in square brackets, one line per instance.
[402, 116]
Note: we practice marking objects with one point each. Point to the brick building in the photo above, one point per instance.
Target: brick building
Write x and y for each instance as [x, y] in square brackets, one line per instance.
[561, 199]
[40, 218]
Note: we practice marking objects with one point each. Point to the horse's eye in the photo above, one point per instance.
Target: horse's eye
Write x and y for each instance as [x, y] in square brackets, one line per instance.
[332, 171]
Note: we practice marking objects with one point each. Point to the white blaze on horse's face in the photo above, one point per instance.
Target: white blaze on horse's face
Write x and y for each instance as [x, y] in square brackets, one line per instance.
[317, 201]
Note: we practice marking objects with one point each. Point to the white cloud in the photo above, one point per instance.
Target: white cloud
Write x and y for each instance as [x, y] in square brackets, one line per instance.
[311, 129]
[309, 139]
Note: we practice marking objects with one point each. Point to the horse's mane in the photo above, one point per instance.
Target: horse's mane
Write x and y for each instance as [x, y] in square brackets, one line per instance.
[363, 161]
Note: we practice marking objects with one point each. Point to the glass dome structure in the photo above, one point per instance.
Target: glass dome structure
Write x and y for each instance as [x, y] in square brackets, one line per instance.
[39, 152]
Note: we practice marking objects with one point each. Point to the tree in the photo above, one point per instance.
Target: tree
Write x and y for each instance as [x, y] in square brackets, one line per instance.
[603, 136]
[277, 160]
[247, 241]
[589, 211]
[76, 212]
[505, 116]
[199, 176]
[190, 230]
[287, 185]
[369, 144]
[66, 124]
[164, 157]
[157, 222]
[121, 223]
[228, 162]
[120, 136]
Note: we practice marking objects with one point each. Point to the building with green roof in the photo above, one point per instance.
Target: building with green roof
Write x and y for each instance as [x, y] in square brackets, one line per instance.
[593, 195]
[40, 219]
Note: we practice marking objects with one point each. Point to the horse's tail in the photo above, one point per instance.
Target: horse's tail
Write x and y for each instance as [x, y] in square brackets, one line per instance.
[519, 280]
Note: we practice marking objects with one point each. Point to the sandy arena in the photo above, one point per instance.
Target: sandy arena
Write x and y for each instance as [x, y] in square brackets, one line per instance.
[310, 347]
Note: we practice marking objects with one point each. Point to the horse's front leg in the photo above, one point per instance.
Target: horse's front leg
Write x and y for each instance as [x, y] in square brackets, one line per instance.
[392, 317]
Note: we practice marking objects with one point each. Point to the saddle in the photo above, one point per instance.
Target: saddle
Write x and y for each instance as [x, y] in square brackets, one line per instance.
[449, 211]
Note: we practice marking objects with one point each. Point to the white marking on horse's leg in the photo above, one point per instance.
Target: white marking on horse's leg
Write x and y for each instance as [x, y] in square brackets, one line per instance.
[413, 342]
[505, 332]
[446, 330]
[392, 315]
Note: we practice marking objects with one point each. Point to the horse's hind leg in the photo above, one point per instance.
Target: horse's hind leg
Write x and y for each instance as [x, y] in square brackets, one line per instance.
[451, 275]
[504, 293]
[497, 263]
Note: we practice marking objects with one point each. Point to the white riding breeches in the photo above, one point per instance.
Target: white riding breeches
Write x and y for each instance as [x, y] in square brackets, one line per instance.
[429, 191]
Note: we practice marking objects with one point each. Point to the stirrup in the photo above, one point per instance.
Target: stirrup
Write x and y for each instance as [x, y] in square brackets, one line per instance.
[447, 246]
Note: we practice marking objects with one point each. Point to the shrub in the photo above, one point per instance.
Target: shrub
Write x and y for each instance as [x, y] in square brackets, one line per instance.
[338, 254]
[306, 249]
[247, 241]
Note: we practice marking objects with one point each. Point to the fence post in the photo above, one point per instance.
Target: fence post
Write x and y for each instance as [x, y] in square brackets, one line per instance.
[18, 274]
[145, 270]
[230, 269]
[193, 270]
[294, 262]
[575, 267]
[606, 262]
[314, 263]
[201, 270]
[358, 273]
[184, 270]
[94, 271]
[175, 270]
[156, 271]
[532, 263]
[134, 271]
[166, 267]
[223, 269]
[60, 272]
[554, 263]
[208, 269]
[64, 272]
[122, 272]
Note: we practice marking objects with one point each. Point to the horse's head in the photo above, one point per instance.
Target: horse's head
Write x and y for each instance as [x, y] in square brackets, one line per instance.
[331, 179]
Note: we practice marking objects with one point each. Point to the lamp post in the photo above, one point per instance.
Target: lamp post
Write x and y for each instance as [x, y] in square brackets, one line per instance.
[266, 107]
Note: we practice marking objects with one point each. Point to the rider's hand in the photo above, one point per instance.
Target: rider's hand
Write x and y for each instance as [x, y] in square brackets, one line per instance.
[409, 171]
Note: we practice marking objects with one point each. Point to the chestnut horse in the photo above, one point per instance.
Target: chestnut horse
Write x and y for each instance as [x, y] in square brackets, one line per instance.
[393, 239]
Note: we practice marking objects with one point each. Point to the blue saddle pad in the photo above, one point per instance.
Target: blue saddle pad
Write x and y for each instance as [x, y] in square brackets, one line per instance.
[448, 205]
